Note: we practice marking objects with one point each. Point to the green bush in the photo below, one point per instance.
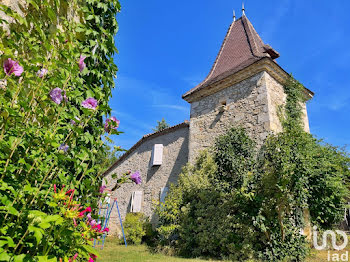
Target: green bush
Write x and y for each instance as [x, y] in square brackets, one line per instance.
[134, 228]
[150, 236]
[198, 218]
[259, 212]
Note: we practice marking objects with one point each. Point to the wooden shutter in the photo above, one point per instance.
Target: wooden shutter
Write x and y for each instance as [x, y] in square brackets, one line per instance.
[157, 155]
[136, 201]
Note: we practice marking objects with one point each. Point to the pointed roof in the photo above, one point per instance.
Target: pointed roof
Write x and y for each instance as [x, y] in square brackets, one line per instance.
[242, 47]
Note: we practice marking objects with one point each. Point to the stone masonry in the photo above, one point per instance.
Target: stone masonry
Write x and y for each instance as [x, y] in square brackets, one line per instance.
[244, 104]
[252, 104]
[175, 156]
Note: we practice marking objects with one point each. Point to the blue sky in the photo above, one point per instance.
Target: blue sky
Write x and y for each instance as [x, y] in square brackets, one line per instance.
[167, 47]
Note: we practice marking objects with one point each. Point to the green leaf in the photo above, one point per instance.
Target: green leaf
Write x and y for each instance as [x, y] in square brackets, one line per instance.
[91, 250]
[46, 259]
[4, 256]
[19, 258]
[44, 225]
[7, 241]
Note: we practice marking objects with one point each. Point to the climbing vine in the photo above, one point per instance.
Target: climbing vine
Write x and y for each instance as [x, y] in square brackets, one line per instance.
[291, 113]
[58, 70]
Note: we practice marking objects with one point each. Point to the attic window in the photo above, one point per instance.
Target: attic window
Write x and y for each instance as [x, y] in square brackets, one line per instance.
[136, 201]
[157, 155]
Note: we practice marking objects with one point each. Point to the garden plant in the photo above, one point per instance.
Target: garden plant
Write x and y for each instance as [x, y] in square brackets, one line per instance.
[55, 84]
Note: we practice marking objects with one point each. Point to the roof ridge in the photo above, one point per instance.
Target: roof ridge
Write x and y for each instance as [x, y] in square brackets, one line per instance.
[250, 32]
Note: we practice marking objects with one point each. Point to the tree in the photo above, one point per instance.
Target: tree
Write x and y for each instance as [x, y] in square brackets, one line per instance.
[161, 126]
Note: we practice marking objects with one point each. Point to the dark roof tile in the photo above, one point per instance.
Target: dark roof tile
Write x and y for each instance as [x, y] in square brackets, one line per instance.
[242, 47]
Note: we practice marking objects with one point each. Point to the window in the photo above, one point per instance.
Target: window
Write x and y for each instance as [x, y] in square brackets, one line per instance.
[136, 201]
[163, 193]
[157, 155]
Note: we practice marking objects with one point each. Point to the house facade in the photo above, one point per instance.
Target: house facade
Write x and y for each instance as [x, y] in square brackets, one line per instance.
[244, 88]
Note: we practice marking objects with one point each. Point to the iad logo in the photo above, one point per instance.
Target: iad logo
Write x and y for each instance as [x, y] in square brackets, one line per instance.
[334, 256]
[333, 238]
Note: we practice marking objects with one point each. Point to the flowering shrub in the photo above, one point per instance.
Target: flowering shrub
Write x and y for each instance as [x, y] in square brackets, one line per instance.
[55, 85]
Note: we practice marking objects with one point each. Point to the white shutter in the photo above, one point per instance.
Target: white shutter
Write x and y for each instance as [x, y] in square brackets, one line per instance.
[163, 193]
[136, 201]
[157, 155]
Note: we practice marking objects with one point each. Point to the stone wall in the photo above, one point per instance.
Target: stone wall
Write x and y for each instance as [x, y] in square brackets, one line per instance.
[175, 156]
[252, 104]
[246, 106]
[15, 5]
[276, 99]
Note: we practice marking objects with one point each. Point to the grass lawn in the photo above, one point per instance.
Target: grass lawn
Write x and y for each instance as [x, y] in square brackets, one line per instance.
[113, 252]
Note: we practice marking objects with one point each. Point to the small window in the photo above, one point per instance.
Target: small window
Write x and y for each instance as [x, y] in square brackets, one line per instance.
[157, 155]
[163, 194]
[136, 201]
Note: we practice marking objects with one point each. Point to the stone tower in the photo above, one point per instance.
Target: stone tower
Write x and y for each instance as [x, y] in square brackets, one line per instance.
[244, 88]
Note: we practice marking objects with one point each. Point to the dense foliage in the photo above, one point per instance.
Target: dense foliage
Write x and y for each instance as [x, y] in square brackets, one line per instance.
[245, 202]
[58, 70]
[134, 228]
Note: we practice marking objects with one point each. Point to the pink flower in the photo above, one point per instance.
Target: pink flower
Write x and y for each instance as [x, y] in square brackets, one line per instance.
[56, 95]
[93, 222]
[54, 188]
[97, 227]
[12, 67]
[82, 65]
[84, 211]
[111, 123]
[42, 72]
[69, 191]
[91, 260]
[90, 103]
[102, 188]
[136, 177]
[106, 230]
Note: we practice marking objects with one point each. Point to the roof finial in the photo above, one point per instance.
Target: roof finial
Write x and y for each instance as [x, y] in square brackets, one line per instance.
[234, 15]
[243, 10]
